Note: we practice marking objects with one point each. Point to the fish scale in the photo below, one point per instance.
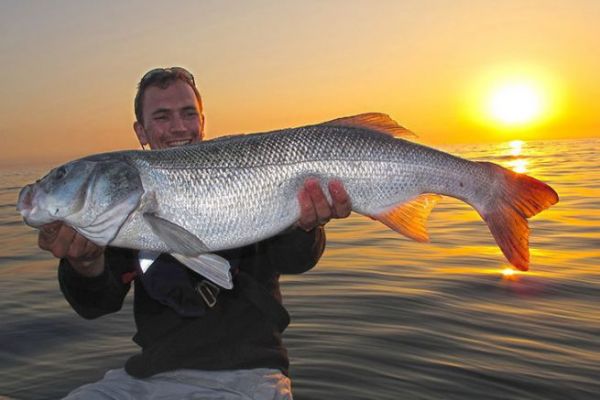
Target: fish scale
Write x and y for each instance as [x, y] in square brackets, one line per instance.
[247, 179]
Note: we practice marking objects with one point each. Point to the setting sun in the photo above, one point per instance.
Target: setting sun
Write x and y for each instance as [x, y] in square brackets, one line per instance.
[515, 104]
[515, 100]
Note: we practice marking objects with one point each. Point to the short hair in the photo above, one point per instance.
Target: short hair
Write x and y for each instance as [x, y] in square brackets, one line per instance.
[163, 78]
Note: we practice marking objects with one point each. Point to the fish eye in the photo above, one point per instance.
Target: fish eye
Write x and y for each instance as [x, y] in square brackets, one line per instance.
[60, 173]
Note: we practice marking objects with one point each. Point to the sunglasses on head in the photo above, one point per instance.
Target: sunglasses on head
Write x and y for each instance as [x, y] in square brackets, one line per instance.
[172, 71]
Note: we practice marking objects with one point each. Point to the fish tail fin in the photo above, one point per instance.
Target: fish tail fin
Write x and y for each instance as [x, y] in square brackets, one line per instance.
[517, 198]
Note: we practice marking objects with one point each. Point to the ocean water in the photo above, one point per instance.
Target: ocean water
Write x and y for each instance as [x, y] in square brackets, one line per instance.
[380, 317]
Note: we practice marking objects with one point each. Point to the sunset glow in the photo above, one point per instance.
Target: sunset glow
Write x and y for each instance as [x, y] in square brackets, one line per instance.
[521, 76]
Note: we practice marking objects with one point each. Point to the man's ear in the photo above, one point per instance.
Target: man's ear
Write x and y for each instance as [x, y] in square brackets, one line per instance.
[141, 133]
[202, 120]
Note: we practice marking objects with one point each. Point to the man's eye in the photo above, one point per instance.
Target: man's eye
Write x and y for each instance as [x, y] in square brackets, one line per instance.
[160, 118]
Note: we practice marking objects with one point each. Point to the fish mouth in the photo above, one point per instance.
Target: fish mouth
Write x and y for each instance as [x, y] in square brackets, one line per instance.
[25, 202]
[28, 206]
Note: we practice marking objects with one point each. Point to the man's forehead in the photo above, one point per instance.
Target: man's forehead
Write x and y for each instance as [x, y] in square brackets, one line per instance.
[175, 96]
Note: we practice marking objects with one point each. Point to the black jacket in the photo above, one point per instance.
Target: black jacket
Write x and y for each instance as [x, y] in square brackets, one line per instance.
[243, 330]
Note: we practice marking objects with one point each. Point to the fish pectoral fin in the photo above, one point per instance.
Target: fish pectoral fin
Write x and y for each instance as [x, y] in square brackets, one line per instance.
[178, 239]
[211, 266]
[379, 122]
[148, 203]
[189, 250]
[409, 218]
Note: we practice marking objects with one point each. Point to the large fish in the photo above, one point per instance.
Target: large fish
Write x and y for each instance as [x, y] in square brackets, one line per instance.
[228, 192]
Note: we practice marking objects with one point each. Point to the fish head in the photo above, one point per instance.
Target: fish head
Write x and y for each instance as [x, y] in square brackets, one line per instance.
[94, 195]
[57, 195]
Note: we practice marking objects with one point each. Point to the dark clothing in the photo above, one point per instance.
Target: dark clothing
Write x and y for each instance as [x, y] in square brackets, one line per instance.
[243, 330]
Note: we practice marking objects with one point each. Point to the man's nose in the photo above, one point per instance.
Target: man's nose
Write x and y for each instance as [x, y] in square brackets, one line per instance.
[177, 124]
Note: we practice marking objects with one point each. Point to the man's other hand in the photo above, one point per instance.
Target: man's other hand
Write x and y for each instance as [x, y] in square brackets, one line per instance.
[315, 210]
[63, 241]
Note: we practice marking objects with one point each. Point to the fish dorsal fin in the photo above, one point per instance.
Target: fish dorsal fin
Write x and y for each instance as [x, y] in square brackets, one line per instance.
[177, 238]
[409, 218]
[379, 122]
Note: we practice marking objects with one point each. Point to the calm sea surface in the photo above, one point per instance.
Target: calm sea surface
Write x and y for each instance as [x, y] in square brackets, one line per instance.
[380, 317]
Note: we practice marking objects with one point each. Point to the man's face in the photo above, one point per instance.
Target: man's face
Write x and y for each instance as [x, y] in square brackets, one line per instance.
[172, 117]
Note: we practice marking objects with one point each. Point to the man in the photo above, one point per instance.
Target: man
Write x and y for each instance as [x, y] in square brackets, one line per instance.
[196, 339]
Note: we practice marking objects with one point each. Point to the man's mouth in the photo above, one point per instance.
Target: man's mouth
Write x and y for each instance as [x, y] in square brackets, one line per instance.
[177, 143]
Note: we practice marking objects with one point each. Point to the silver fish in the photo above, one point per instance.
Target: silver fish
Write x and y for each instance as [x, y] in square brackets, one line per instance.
[229, 192]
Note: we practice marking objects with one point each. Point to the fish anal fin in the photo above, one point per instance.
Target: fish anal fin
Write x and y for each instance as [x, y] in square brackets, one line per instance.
[177, 238]
[379, 122]
[409, 218]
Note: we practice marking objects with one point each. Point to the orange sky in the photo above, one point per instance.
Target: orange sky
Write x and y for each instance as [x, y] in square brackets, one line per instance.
[69, 68]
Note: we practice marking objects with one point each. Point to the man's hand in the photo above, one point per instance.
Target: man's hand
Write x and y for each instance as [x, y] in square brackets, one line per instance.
[314, 208]
[64, 242]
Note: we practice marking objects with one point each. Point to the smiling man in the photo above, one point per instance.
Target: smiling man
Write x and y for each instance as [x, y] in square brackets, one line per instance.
[169, 114]
[196, 339]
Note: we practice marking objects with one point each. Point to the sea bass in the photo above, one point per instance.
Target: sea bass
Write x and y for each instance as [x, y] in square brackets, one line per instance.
[229, 192]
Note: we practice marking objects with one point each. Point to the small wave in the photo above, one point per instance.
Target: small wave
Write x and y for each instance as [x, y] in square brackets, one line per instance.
[6, 259]
[10, 188]
[11, 223]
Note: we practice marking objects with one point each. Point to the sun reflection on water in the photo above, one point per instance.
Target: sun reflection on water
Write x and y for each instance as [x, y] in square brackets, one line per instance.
[519, 165]
[509, 274]
[516, 149]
